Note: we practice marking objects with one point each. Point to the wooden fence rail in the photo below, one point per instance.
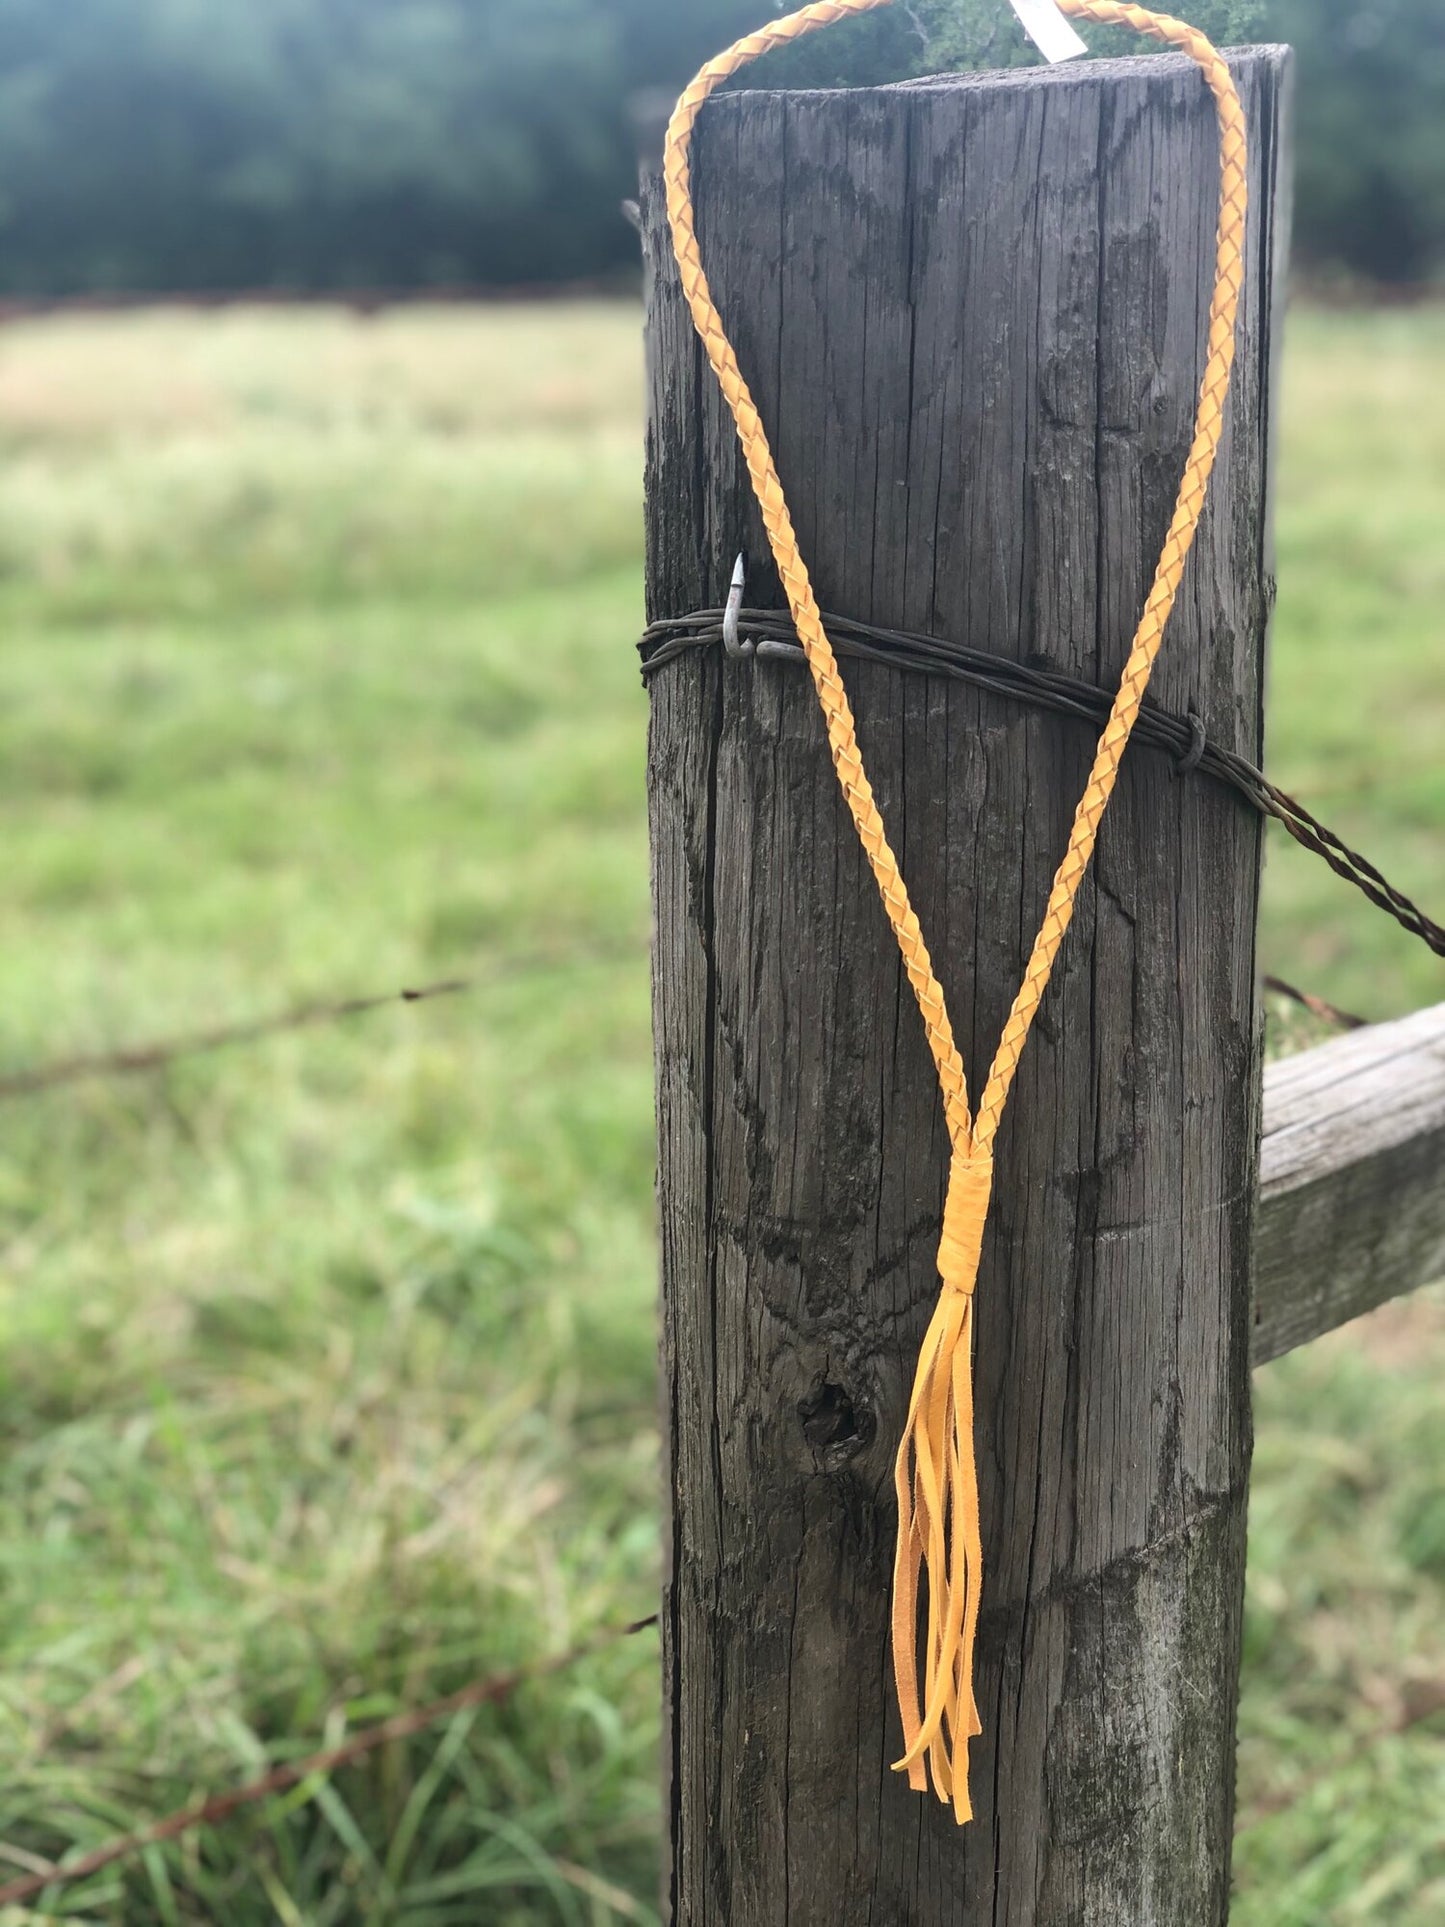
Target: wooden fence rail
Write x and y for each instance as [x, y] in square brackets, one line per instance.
[1352, 1179]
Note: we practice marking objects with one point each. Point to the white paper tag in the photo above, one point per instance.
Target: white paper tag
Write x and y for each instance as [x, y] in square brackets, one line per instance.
[1048, 29]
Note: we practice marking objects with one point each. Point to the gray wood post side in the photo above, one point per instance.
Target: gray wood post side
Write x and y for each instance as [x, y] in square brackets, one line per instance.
[972, 312]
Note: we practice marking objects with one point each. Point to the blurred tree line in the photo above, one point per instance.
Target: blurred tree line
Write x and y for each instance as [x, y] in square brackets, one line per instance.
[326, 144]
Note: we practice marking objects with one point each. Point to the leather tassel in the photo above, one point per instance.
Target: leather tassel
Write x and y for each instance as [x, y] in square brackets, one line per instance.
[936, 1479]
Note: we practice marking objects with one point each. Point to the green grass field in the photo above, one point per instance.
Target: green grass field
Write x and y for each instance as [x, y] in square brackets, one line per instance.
[326, 1364]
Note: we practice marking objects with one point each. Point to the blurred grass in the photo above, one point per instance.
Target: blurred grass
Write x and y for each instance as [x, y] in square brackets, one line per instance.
[1357, 697]
[326, 1365]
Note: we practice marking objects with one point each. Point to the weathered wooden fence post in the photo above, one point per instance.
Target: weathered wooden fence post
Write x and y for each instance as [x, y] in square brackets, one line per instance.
[972, 312]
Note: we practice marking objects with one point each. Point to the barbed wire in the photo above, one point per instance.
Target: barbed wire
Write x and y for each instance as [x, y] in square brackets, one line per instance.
[130, 1060]
[401, 1726]
[1316, 1006]
[767, 635]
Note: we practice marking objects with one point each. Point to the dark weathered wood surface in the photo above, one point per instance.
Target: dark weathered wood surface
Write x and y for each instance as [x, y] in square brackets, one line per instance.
[1352, 1179]
[973, 315]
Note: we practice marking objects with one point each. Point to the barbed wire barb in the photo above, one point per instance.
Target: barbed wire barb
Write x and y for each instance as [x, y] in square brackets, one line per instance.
[131, 1060]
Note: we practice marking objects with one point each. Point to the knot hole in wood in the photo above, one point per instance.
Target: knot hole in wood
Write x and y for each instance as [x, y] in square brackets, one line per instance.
[836, 1424]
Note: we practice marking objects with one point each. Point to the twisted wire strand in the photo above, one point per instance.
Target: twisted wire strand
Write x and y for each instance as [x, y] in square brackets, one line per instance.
[1181, 738]
[209, 1811]
[935, 1472]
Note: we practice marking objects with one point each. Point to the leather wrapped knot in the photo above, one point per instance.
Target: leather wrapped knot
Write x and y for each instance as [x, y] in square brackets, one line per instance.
[965, 1211]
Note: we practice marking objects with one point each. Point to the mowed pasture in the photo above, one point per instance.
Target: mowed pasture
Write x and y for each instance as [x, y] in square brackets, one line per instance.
[326, 1364]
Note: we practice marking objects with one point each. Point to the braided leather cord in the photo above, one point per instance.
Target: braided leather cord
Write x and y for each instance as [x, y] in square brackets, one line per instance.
[793, 571]
[935, 1469]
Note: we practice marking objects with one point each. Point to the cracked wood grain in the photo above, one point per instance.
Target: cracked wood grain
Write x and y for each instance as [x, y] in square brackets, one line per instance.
[973, 316]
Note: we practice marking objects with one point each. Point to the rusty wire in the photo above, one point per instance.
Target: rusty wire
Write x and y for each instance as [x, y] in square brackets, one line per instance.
[130, 1060]
[1181, 738]
[491, 1691]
